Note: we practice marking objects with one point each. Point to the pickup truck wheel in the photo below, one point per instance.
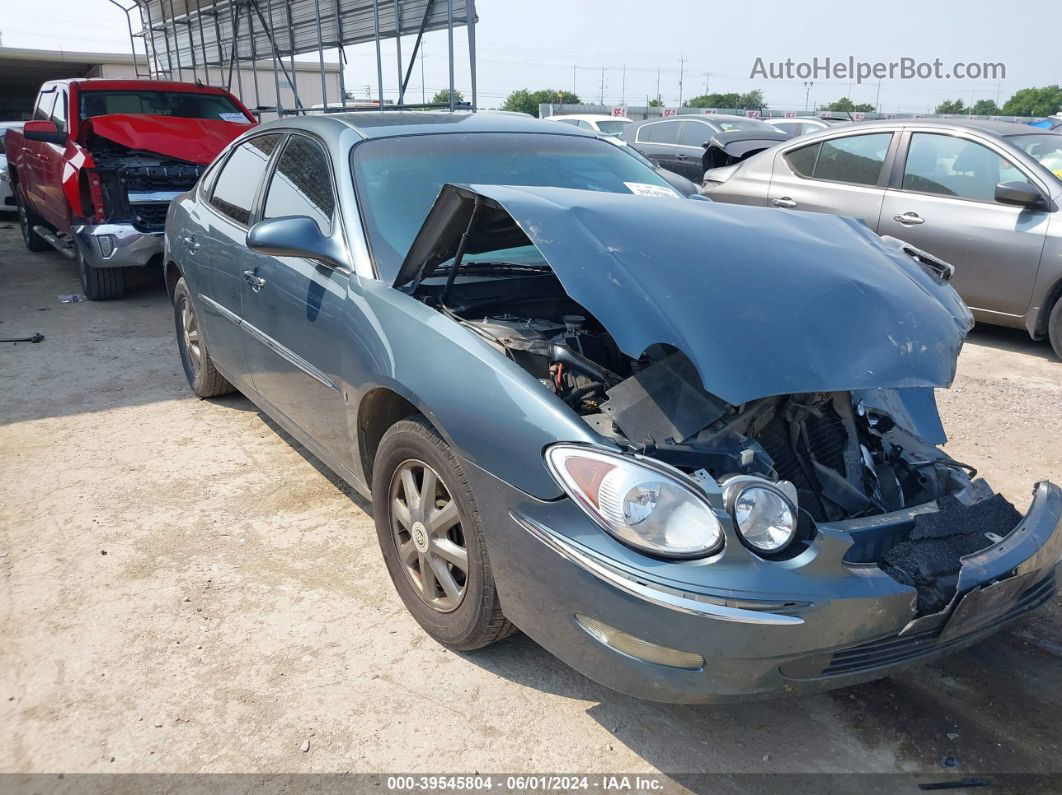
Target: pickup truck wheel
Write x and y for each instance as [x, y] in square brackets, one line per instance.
[199, 368]
[431, 537]
[1054, 327]
[100, 284]
[27, 219]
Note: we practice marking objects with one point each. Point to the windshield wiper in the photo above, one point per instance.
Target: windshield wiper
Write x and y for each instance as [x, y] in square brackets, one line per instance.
[485, 265]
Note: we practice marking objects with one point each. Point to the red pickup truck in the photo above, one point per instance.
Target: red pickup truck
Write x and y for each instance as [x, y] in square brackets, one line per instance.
[94, 171]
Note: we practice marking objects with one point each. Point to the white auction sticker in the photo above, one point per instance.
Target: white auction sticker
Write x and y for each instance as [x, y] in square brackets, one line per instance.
[643, 189]
[236, 117]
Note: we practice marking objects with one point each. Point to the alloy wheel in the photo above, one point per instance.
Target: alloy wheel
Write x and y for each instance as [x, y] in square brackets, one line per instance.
[426, 528]
[190, 332]
[23, 221]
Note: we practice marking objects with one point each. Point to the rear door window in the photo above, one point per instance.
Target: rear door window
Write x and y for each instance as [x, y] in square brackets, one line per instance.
[661, 132]
[238, 181]
[853, 159]
[695, 134]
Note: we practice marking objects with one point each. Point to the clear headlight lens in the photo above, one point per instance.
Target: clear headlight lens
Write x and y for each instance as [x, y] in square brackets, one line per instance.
[641, 506]
[765, 519]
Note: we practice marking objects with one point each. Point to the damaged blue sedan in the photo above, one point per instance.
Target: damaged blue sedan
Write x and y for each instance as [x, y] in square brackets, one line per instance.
[692, 449]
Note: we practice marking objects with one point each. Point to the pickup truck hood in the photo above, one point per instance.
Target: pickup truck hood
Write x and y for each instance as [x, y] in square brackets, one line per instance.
[192, 140]
[763, 302]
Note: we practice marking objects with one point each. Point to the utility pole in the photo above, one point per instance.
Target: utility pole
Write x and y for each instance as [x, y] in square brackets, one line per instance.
[573, 78]
[623, 90]
[877, 97]
[658, 85]
[706, 76]
[602, 98]
[997, 94]
[807, 93]
[682, 74]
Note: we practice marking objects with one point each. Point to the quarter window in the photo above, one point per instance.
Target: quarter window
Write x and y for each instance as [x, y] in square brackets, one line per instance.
[240, 176]
[59, 111]
[949, 166]
[302, 184]
[854, 159]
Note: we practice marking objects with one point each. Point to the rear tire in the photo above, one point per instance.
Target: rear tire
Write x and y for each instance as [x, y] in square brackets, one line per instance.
[1054, 327]
[99, 284]
[27, 219]
[457, 602]
[199, 368]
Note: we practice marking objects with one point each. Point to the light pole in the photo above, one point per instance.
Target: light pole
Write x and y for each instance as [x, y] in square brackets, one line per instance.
[807, 93]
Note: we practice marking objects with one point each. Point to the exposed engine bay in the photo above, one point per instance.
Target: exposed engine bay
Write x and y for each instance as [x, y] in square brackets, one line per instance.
[134, 186]
[843, 460]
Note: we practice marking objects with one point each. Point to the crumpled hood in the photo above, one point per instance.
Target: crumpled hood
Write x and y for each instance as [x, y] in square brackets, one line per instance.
[764, 302]
[193, 140]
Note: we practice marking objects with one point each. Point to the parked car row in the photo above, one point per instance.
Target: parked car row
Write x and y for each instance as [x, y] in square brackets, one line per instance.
[982, 195]
[691, 448]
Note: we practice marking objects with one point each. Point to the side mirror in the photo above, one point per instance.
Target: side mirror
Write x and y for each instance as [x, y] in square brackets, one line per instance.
[43, 131]
[295, 236]
[1020, 193]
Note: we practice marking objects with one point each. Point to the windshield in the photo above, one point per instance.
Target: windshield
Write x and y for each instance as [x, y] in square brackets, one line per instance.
[399, 178]
[742, 124]
[1045, 148]
[612, 126]
[185, 104]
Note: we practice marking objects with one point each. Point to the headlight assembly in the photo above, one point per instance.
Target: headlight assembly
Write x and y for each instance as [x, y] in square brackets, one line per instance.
[765, 515]
[644, 507]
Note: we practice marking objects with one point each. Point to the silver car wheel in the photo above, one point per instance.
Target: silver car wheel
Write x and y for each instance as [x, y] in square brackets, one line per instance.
[426, 528]
[190, 332]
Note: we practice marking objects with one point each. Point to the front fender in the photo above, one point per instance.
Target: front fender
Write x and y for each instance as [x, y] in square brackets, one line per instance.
[489, 410]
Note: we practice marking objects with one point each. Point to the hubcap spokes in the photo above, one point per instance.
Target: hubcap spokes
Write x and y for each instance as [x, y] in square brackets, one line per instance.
[427, 532]
[190, 329]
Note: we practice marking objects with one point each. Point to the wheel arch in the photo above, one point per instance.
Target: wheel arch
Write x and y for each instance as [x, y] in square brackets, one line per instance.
[379, 409]
[172, 273]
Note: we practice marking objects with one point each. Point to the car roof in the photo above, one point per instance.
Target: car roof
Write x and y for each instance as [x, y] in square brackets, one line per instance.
[392, 123]
[998, 129]
[587, 117]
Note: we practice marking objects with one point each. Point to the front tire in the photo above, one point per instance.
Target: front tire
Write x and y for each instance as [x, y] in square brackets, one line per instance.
[432, 540]
[99, 284]
[1054, 327]
[27, 219]
[199, 368]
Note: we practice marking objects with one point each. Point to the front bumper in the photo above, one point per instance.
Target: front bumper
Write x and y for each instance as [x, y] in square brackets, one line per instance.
[811, 623]
[118, 245]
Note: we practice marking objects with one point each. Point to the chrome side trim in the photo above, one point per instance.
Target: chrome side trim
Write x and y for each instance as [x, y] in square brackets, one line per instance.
[281, 351]
[671, 601]
[153, 196]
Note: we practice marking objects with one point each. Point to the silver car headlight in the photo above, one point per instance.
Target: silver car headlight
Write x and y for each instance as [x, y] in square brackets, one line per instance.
[765, 515]
[644, 507]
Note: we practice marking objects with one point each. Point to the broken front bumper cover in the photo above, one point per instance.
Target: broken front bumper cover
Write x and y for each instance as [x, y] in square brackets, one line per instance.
[853, 624]
[117, 245]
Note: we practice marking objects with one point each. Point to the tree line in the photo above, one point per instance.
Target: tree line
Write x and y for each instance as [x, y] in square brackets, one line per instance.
[1043, 101]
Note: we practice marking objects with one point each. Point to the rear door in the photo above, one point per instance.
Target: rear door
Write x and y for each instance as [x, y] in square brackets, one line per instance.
[658, 141]
[215, 241]
[944, 202]
[32, 182]
[689, 154]
[843, 174]
[293, 312]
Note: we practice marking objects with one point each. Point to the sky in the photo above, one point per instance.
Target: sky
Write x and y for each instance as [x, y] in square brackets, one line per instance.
[584, 45]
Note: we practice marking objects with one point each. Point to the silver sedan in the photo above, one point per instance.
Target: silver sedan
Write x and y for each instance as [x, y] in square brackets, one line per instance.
[981, 195]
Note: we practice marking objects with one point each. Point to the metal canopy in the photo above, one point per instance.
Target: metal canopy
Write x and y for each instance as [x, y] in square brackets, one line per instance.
[210, 40]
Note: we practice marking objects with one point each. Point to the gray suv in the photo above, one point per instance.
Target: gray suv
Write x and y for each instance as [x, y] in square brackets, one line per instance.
[981, 195]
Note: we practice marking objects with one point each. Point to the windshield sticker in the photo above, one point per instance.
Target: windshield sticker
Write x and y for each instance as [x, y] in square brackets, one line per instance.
[643, 189]
[239, 118]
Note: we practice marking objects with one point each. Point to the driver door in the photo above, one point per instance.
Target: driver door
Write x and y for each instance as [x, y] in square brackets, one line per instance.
[293, 308]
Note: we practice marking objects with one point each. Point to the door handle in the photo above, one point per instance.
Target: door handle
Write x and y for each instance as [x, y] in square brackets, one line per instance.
[253, 279]
[190, 243]
[785, 201]
[681, 156]
[909, 219]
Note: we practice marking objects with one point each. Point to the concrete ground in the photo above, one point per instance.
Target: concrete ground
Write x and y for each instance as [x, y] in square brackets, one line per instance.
[184, 588]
